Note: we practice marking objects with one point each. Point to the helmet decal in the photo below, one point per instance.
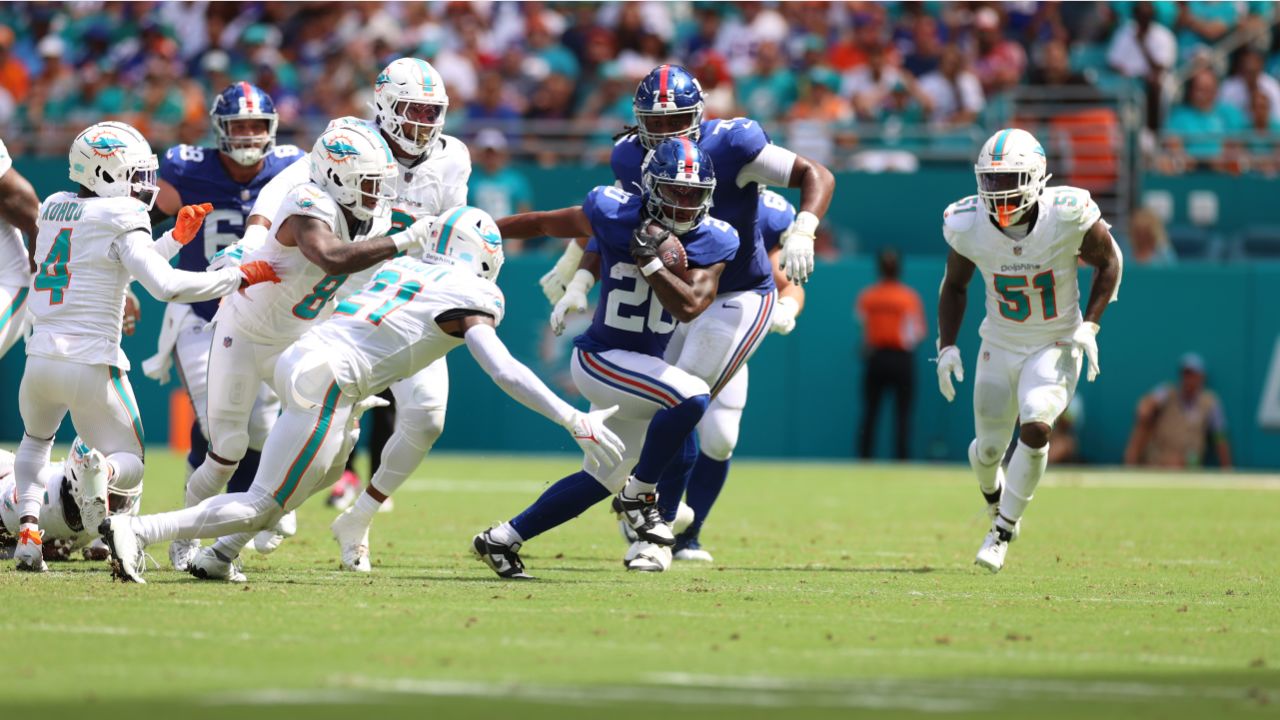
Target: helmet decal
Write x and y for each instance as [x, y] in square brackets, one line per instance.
[340, 149]
[105, 143]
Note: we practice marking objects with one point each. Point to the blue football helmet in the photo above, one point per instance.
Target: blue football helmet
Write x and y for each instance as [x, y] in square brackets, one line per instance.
[678, 181]
[668, 104]
[242, 101]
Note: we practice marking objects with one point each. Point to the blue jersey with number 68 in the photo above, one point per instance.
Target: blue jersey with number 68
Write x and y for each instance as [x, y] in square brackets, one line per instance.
[732, 145]
[629, 315]
[199, 177]
[775, 216]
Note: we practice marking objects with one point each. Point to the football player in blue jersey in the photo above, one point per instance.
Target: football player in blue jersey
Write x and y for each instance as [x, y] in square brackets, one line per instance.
[668, 104]
[228, 177]
[619, 359]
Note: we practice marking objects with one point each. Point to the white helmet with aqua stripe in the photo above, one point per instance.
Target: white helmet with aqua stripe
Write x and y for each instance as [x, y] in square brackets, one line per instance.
[353, 164]
[468, 236]
[1012, 173]
[409, 104]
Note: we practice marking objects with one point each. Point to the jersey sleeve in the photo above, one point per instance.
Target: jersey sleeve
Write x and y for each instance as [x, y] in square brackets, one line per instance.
[272, 196]
[595, 206]
[1076, 210]
[716, 242]
[311, 201]
[626, 159]
[747, 139]
[957, 221]
[488, 298]
[127, 214]
[776, 215]
[6, 161]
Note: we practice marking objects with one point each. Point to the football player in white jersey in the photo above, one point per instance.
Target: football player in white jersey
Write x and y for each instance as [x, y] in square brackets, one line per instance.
[64, 492]
[1026, 239]
[312, 245]
[89, 246]
[19, 207]
[411, 314]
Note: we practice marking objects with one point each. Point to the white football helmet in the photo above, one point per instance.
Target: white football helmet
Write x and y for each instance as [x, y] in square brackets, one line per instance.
[1012, 173]
[354, 165]
[467, 235]
[113, 160]
[409, 104]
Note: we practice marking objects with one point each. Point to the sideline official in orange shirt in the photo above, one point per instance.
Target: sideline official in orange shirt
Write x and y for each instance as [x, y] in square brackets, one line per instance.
[892, 317]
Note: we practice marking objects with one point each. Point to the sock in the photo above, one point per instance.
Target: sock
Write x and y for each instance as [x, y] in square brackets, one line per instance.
[199, 448]
[988, 475]
[365, 508]
[668, 432]
[416, 432]
[242, 478]
[705, 484]
[127, 470]
[562, 502]
[28, 462]
[229, 547]
[208, 480]
[217, 516]
[675, 479]
[1025, 470]
[505, 534]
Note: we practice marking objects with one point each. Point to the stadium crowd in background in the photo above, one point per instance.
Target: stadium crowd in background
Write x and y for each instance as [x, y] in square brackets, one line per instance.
[830, 77]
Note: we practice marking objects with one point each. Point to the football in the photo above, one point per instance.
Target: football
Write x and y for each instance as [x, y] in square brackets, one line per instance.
[671, 253]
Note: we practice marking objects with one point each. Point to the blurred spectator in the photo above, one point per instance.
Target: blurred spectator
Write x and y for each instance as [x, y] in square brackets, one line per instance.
[495, 187]
[741, 37]
[1064, 439]
[492, 102]
[1248, 80]
[820, 99]
[767, 94]
[1201, 121]
[893, 322]
[1148, 241]
[1000, 62]
[717, 84]
[14, 77]
[1203, 23]
[1054, 69]
[869, 85]
[954, 91]
[926, 46]
[1175, 424]
[1144, 49]
[55, 86]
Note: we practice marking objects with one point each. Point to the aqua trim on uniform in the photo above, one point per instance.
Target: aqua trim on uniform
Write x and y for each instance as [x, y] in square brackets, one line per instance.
[130, 405]
[308, 454]
[14, 308]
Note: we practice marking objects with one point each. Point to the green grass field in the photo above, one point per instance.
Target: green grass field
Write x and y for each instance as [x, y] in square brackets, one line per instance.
[839, 590]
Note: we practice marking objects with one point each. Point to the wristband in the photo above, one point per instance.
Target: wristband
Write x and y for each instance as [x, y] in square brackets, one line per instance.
[651, 267]
[806, 222]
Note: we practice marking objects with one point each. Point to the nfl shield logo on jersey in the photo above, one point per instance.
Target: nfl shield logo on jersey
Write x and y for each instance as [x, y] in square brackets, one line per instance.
[1017, 250]
[226, 341]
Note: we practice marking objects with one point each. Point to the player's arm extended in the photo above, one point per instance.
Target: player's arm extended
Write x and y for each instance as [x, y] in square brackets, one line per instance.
[329, 253]
[570, 222]
[137, 253]
[953, 295]
[1100, 250]
[168, 202]
[786, 288]
[20, 207]
[686, 301]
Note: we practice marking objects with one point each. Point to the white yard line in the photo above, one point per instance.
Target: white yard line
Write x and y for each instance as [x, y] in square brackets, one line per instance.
[119, 631]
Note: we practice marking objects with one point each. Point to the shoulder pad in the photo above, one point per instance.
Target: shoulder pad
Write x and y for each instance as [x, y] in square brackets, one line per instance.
[126, 214]
[1070, 203]
[309, 199]
[961, 214]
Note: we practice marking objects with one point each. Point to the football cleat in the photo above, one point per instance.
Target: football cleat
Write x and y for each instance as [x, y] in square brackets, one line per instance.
[181, 552]
[28, 554]
[207, 565]
[96, 551]
[353, 539]
[689, 549]
[993, 506]
[502, 559]
[642, 516]
[127, 559]
[647, 557]
[89, 479]
[268, 540]
[994, 547]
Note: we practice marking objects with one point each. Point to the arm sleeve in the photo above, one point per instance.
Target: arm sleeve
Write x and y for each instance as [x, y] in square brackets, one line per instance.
[771, 167]
[513, 377]
[166, 246]
[136, 252]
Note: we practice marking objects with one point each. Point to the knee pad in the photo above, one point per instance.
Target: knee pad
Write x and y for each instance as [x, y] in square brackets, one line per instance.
[987, 451]
[228, 440]
[718, 431]
[1044, 404]
[420, 426]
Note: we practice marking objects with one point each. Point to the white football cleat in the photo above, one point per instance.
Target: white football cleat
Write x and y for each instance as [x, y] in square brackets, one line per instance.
[647, 557]
[684, 518]
[994, 547]
[689, 549]
[206, 565]
[353, 539]
[181, 552]
[127, 560]
[28, 554]
[268, 540]
[89, 480]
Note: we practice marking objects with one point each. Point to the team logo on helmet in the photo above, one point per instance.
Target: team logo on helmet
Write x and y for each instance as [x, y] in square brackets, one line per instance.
[382, 79]
[340, 149]
[105, 144]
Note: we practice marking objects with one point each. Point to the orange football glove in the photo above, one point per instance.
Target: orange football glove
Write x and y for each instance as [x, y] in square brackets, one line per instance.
[258, 271]
[190, 217]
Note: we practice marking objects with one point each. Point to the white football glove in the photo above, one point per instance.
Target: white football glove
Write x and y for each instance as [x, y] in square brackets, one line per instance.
[597, 441]
[784, 316]
[949, 364]
[1086, 338]
[797, 247]
[556, 280]
[413, 239]
[574, 299]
